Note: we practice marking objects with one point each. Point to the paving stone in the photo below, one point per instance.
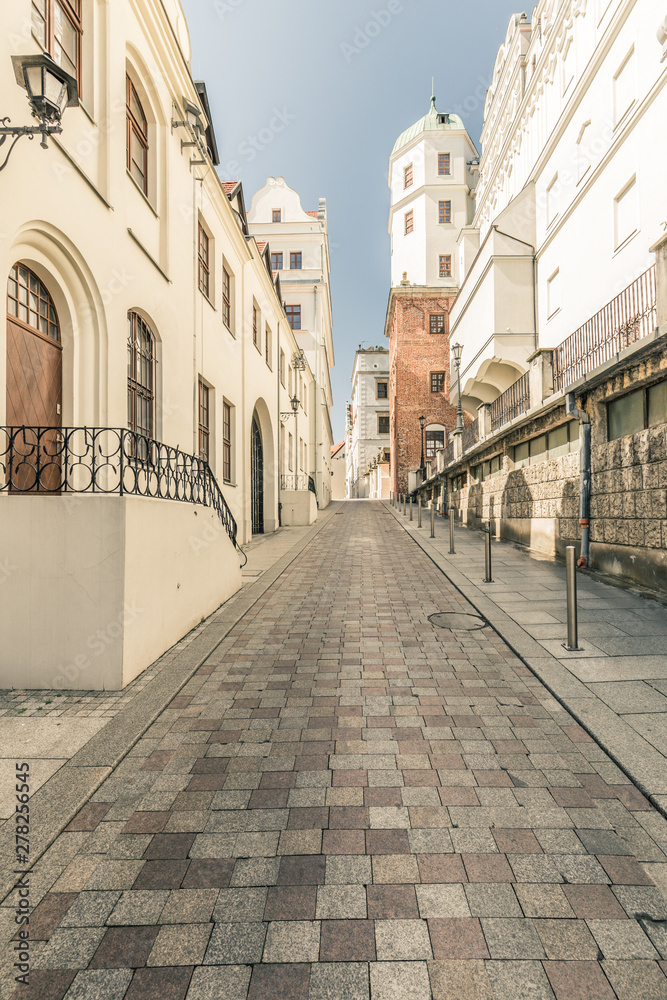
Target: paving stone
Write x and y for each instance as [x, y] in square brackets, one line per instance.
[138, 907]
[636, 980]
[255, 871]
[102, 984]
[457, 938]
[399, 869]
[290, 902]
[277, 982]
[402, 940]
[400, 981]
[180, 944]
[621, 939]
[240, 905]
[124, 948]
[392, 902]
[520, 980]
[347, 941]
[45, 984]
[566, 940]
[292, 941]
[167, 983]
[186, 906]
[442, 901]
[226, 983]
[50, 913]
[69, 948]
[335, 981]
[236, 944]
[512, 939]
[578, 981]
[492, 899]
[594, 901]
[341, 902]
[348, 869]
[459, 980]
[308, 870]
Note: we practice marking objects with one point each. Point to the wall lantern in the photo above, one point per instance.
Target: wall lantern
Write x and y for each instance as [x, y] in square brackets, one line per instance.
[295, 403]
[50, 91]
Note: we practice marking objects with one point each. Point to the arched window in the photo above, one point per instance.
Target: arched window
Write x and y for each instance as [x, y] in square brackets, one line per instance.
[137, 137]
[140, 376]
[28, 300]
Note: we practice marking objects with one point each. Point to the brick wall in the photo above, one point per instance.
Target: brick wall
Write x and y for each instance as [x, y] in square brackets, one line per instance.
[414, 354]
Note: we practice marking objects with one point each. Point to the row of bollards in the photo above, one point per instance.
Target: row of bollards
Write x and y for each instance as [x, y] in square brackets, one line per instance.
[572, 643]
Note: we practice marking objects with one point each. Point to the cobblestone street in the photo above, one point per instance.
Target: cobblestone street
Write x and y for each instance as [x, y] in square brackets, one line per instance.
[347, 802]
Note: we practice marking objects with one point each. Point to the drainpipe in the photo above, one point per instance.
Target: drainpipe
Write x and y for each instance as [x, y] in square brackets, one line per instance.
[584, 560]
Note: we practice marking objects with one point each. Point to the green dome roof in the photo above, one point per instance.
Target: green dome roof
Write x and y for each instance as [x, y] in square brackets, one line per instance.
[434, 121]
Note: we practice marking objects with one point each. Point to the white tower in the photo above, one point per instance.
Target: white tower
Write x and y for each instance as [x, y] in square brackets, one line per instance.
[432, 173]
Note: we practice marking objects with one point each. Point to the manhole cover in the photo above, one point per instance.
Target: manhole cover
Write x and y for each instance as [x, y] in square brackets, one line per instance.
[456, 620]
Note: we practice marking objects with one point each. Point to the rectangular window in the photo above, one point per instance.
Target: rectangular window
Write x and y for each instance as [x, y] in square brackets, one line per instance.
[267, 346]
[226, 298]
[657, 404]
[276, 261]
[445, 265]
[409, 222]
[522, 455]
[203, 261]
[625, 86]
[626, 213]
[559, 441]
[434, 440]
[57, 26]
[445, 212]
[295, 261]
[282, 368]
[495, 467]
[627, 415]
[256, 334]
[294, 316]
[382, 390]
[407, 176]
[227, 442]
[276, 215]
[553, 293]
[137, 137]
[437, 381]
[444, 164]
[204, 422]
[538, 449]
[436, 323]
[383, 423]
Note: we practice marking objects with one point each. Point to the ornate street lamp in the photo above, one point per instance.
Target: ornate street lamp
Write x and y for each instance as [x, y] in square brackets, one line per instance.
[50, 91]
[295, 403]
[457, 351]
[422, 424]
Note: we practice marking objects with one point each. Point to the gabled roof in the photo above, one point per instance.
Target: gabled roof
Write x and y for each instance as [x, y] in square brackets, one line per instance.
[211, 144]
[315, 215]
[336, 448]
[234, 191]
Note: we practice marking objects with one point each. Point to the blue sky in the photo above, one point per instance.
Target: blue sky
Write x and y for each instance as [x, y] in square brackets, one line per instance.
[342, 80]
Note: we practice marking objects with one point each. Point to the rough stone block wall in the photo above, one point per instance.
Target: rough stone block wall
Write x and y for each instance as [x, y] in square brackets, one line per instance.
[414, 354]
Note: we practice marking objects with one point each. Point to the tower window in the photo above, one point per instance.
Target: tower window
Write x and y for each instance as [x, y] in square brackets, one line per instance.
[445, 265]
[444, 164]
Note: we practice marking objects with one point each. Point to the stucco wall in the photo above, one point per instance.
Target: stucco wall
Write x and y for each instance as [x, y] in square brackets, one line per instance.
[106, 585]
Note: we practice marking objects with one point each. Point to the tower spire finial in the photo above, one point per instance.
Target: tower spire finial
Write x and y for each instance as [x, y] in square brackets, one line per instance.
[432, 92]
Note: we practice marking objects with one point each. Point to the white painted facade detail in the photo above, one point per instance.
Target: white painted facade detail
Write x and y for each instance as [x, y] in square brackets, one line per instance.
[366, 442]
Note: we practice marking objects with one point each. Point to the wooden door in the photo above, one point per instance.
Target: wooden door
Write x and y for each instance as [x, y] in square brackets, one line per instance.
[34, 385]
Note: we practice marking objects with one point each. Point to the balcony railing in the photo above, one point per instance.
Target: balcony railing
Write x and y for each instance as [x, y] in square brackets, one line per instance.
[298, 483]
[105, 460]
[622, 322]
[511, 403]
[470, 435]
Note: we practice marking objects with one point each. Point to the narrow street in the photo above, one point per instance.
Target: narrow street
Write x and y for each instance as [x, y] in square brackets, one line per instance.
[347, 802]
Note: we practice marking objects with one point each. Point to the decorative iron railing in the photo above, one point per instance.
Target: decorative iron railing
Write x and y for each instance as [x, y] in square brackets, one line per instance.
[470, 435]
[511, 402]
[106, 460]
[623, 321]
[298, 483]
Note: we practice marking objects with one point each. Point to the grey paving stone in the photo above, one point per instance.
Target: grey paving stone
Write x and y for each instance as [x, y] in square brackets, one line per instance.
[292, 941]
[522, 980]
[236, 944]
[341, 902]
[100, 984]
[636, 980]
[348, 869]
[189, 906]
[224, 983]
[69, 948]
[459, 980]
[402, 940]
[566, 940]
[534, 868]
[641, 899]
[559, 842]
[581, 869]
[621, 939]
[443, 901]
[603, 842]
[400, 981]
[90, 909]
[430, 841]
[255, 871]
[492, 899]
[511, 938]
[180, 944]
[114, 875]
[339, 981]
[138, 906]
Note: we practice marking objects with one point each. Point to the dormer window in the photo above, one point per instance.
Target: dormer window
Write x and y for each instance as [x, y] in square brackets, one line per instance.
[276, 215]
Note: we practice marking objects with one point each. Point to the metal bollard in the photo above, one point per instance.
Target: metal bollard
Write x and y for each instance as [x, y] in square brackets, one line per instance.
[419, 511]
[571, 580]
[451, 532]
[410, 508]
[487, 554]
[432, 520]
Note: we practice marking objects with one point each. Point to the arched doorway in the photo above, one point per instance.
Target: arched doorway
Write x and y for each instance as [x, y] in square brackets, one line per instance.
[257, 479]
[34, 380]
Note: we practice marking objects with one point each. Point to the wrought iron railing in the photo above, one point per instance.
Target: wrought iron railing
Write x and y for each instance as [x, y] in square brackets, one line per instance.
[511, 403]
[106, 460]
[297, 483]
[623, 321]
[470, 435]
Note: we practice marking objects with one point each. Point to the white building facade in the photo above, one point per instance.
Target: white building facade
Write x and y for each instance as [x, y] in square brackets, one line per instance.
[298, 249]
[367, 437]
[144, 335]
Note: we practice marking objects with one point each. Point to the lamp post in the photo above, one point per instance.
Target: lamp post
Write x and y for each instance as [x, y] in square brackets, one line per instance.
[50, 91]
[457, 351]
[422, 424]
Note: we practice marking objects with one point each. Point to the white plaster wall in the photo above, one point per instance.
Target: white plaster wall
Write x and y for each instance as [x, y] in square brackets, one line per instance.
[299, 507]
